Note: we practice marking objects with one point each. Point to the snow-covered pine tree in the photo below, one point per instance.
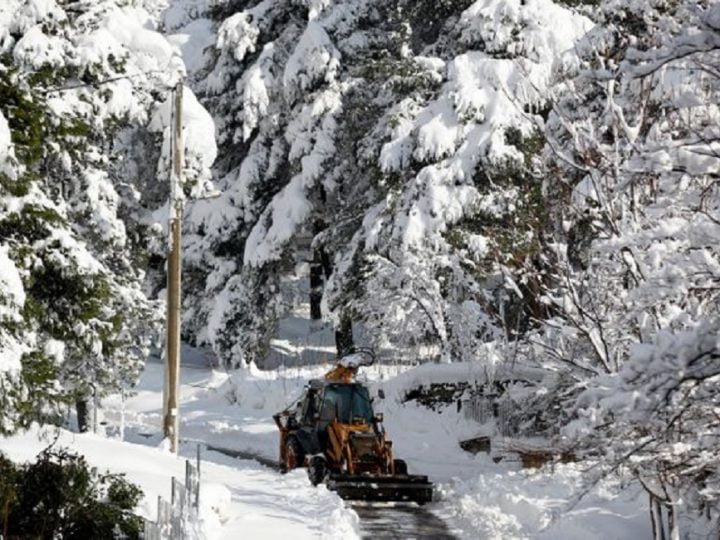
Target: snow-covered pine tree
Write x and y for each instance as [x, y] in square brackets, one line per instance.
[277, 92]
[464, 211]
[391, 133]
[79, 83]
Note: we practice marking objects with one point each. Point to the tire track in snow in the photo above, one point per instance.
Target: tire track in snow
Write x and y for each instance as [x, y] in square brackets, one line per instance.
[400, 521]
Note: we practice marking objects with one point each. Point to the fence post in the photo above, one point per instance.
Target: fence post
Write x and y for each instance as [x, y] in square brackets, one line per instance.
[178, 514]
[197, 484]
[173, 519]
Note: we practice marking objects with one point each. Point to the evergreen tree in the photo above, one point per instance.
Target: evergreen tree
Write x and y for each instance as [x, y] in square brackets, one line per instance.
[396, 146]
[79, 86]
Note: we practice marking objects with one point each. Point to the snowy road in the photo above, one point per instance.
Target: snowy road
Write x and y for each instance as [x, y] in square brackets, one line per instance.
[238, 432]
[402, 521]
[477, 498]
[377, 520]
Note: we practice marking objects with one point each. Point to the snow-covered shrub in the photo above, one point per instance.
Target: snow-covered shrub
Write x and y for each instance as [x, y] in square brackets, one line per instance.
[61, 496]
[657, 419]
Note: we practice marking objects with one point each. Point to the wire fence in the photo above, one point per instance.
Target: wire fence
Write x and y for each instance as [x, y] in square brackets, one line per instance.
[487, 408]
[506, 416]
[175, 519]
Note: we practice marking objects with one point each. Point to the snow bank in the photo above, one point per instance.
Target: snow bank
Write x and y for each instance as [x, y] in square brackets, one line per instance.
[148, 467]
[458, 372]
[239, 499]
[510, 504]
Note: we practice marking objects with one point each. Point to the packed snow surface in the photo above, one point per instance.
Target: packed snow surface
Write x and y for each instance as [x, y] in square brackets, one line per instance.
[477, 497]
[238, 499]
[503, 501]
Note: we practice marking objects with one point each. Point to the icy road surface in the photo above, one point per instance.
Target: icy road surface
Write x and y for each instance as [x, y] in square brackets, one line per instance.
[400, 521]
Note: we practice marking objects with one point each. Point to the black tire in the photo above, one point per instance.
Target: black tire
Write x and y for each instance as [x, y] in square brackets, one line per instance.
[294, 455]
[317, 470]
[400, 466]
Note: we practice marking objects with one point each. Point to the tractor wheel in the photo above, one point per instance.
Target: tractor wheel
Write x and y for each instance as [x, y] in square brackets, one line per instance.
[400, 466]
[294, 455]
[317, 470]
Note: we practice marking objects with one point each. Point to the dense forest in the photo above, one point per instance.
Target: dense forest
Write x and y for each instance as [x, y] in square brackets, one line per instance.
[507, 182]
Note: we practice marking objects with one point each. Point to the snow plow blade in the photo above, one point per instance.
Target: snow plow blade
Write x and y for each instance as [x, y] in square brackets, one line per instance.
[397, 488]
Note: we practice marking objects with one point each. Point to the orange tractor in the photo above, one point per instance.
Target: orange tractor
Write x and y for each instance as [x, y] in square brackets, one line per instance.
[333, 432]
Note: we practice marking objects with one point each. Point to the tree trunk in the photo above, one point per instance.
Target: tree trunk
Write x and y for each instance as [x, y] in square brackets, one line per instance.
[326, 262]
[320, 267]
[344, 336]
[316, 285]
[81, 406]
[658, 528]
[673, 525]
[6, 515]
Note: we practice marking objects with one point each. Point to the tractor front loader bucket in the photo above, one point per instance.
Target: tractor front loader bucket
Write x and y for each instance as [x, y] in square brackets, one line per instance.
[382, 488]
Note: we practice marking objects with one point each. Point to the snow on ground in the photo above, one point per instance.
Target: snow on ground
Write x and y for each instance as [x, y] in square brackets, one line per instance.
[477, 497]
[485, 500]
[239, 498]
[506, 502]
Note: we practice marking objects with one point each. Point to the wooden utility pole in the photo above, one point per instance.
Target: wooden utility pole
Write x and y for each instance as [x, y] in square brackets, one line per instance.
[172, 348]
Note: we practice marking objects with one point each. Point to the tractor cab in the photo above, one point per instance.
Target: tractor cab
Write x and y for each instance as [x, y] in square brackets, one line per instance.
[344, 403]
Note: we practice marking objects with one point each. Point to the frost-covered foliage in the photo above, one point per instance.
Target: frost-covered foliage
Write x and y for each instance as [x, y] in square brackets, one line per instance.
[660, 413]
[463, 203]
[79, 84]
[633, 150]
[639, 160]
